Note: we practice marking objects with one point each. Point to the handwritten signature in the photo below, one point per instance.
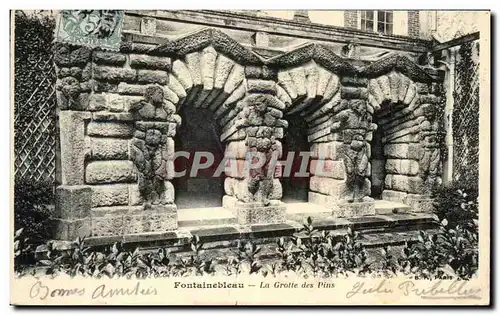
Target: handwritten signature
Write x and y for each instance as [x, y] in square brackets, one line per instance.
[435, 290]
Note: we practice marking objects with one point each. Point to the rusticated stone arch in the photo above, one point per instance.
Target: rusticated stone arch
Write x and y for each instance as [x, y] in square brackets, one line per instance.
[207, 72]
[395, 88]
[311, 91]
[404, 100]
[207, 79]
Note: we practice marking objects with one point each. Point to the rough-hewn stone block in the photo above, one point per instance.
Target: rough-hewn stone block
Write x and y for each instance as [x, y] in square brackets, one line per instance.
[261, 86]
[150, 62]
[354, 81]
[106, 172]
[348, 92]
[134, 195]
[403, 166]
[257, 213]
[110, 129]
[80, 102]
[152, 76]
[110, 195]
[97, 102]
[114, 74]
[108, 58]
[327, 186]
[107, 221]
[326, 150]
[157, 219]
[327, 168]
[260, 72]
[70, 230]
[114, 102]
[411, 184]
[73, 202]
[108, 148]
[131, 89]
[108, 116]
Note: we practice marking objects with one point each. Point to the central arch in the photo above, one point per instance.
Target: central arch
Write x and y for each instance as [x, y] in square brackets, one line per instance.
[310, 93]
[205, 87]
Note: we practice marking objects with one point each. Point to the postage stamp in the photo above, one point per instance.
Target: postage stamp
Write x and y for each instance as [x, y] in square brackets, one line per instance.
[91, 28]
[199, 157]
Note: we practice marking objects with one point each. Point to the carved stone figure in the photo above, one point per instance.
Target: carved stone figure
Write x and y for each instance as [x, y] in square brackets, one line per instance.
[356, 163]
[259, 119]
[73, 72]
[353, 123]
[151, 148]
[430, 162]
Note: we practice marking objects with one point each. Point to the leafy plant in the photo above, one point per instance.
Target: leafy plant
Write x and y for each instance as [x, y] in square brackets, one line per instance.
[32, 209]
[458, 204]
[22, 251]
[195, 264]
[444, 254]
[450, 253]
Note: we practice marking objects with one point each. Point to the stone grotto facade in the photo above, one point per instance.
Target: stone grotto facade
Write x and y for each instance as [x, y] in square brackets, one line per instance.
[369, 109]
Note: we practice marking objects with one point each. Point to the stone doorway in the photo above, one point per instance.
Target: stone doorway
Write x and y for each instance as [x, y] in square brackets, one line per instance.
[296, 186]
[198, 134]
[378, 160]
[393, 166]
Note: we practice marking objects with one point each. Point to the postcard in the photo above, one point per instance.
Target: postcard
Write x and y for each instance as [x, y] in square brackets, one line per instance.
[218, 157]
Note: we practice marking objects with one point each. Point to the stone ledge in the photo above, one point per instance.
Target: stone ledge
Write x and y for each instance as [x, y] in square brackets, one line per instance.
[229, 234]
[353, 210]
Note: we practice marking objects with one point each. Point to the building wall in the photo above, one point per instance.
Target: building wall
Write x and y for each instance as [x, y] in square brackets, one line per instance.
[444, 25]
[413, 21]
[452, 24]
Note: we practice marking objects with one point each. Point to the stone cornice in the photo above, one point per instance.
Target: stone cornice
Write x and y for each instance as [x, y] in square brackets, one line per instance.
[284, 27]
[208, 37]
[317, 52]
[398, 63]
[301, 55]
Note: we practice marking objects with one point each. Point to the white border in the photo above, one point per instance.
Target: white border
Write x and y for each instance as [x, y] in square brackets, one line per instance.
[196, 4]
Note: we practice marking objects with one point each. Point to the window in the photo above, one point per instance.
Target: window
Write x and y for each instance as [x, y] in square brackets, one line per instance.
[377, 21]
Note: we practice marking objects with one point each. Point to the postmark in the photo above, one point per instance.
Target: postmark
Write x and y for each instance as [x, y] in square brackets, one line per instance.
[91, 28]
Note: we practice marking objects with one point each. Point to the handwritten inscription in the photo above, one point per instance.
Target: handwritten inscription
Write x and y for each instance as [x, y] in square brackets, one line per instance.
[362, 288]
[103, 291]
[434, 290]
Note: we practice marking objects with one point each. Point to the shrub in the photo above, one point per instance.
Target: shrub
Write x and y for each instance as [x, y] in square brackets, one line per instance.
[22, 251]
[457, 203]
[323, 254]
[33, 205]
[450, 253]
[445, 254]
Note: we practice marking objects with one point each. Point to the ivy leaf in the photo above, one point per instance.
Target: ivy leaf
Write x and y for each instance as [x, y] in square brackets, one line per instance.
[19, 232]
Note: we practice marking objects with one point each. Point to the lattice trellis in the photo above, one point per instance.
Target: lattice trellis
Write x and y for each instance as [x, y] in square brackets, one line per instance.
[466, 114]
[35, 104]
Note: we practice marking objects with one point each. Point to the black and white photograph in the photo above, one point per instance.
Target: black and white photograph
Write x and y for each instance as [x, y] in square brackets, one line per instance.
[252, 156]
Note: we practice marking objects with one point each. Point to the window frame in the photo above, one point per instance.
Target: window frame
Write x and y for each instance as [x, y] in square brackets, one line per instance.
[376, 21]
